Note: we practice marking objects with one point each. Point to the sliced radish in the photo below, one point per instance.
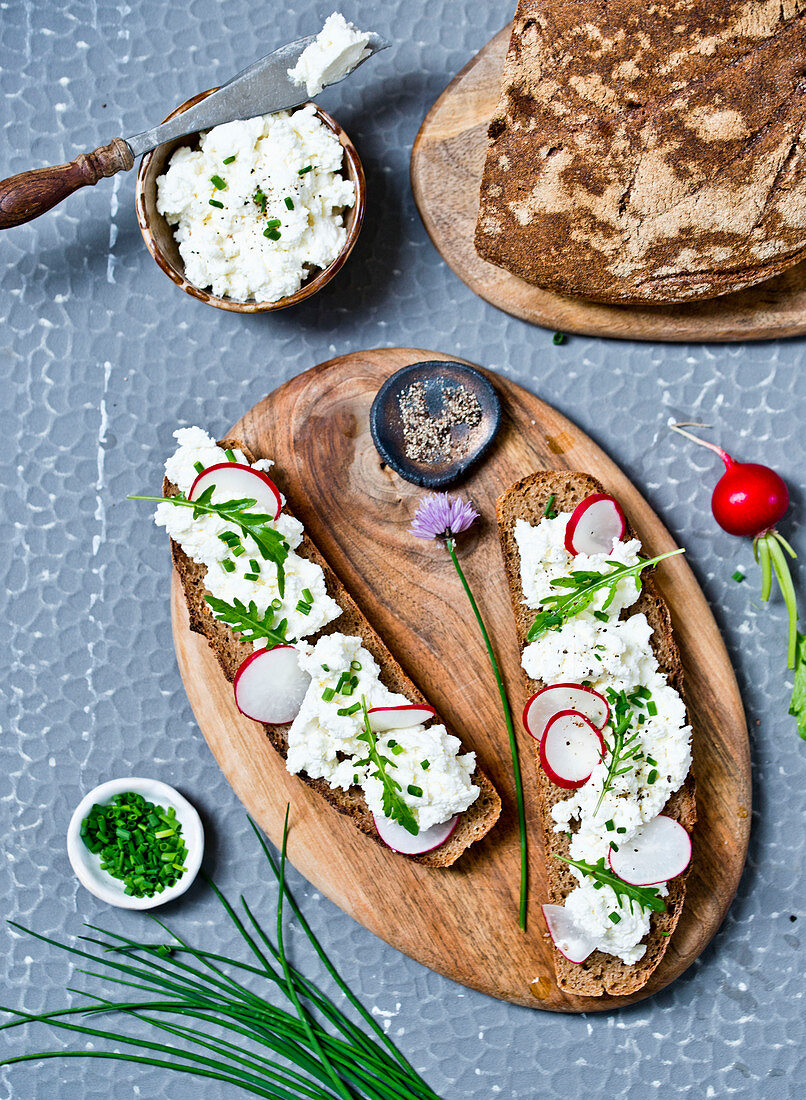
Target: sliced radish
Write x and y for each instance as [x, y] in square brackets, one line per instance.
[657, 852]
[551, 700]
[270, 686]
[595, 525]
[401, 840]
[382, 719]
[573, 942]
[235, 481]
[570, 749]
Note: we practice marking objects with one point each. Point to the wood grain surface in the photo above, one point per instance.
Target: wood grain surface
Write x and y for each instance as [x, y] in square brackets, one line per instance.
[462, 921]
[446, 168]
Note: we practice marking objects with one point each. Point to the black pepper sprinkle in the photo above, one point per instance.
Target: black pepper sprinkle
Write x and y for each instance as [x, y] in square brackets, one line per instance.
[428, 438]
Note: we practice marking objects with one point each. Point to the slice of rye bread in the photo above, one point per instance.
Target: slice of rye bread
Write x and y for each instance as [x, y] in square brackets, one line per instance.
[649, 155]
[231, 651]
[600, 973]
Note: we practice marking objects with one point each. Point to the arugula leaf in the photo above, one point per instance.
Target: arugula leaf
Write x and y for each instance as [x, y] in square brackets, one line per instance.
[625, 744]
[645, 897]
[395, 806]
[797, 705]
[270, 542]
[248, 622]
[582, 586]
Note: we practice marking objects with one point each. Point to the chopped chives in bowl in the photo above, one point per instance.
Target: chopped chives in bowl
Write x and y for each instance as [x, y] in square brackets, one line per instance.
[138, 842]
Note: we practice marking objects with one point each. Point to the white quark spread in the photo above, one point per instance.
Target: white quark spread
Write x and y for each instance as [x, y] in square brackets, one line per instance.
[324, 743]
[321, 742]
[613, 655]
[199, 538]
[278, 216]
[333, 54]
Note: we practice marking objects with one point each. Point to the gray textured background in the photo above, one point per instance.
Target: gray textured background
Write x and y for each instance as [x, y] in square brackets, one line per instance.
[102, 357]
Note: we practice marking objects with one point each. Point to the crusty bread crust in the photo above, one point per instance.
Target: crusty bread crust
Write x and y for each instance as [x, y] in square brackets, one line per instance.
[640, 158]
[231, 651]
[600, 973]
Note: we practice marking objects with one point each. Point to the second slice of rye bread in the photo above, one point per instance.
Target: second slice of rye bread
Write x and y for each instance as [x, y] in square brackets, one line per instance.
[231, 651]
[600, 973]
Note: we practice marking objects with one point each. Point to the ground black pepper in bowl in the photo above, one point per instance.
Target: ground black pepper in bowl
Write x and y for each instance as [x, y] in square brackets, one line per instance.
[439, 438]
[431, 421]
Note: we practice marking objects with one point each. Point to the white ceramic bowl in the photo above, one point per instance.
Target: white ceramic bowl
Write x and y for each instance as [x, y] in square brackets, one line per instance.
[87, 865]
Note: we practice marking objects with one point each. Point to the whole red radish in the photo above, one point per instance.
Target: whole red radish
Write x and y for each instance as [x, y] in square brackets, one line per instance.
[748, 500]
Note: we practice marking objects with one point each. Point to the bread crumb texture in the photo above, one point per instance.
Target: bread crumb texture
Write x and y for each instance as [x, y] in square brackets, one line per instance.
[649, 152]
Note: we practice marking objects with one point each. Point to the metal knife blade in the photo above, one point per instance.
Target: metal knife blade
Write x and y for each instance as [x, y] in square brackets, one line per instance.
[260, 89]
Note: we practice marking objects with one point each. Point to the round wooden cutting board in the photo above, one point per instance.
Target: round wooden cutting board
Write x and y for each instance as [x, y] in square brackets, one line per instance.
[461, 921]
[446, 168]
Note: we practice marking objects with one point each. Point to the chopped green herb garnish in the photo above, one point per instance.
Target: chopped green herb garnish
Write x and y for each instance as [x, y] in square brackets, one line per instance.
[602, 616]
[328, 694]
[651, 708]
[273, 223]
[251, 576]
[610, 825]
[302, 171]
[218, 183]
[307, 595]
[666, 933]
[228, 564]
[255, 565]
[198, 467]
[649, 760]
[652, 777]
[614, 847]
[355, 666]
[215, 202]
[548, 511]
[614, 917]
[738, 577]
[230, 455]
[238, 550]
[344, 679]
[259, 199]
[345, 712]
[272, 234]
[303, 608]
[621, 829]
[425, 765]
[229, 160]
[396, 749]
[326, 668]
[558, 338]
[289, 202]
[123, 834]
[276, 604]
[417, 792]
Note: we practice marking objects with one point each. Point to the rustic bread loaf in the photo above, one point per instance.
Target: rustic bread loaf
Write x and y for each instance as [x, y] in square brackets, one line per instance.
[600, 973]
[649, 154]
[231, 651]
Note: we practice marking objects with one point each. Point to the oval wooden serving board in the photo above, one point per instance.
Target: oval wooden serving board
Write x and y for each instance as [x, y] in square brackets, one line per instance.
[446, 167]
[462, 921]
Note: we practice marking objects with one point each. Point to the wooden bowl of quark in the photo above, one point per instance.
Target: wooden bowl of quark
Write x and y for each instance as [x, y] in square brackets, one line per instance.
[159, 235]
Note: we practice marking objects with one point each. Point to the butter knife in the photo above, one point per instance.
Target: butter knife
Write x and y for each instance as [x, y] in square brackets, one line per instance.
[260, 89]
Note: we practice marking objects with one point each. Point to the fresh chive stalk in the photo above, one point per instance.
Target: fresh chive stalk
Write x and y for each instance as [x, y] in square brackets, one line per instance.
[215, 1026]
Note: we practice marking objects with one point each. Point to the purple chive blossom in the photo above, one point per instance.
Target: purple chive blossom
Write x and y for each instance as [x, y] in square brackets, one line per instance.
[441, 517]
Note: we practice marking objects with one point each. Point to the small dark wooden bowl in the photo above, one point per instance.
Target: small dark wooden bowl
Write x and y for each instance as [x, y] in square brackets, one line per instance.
[386, 423]
[159, 236]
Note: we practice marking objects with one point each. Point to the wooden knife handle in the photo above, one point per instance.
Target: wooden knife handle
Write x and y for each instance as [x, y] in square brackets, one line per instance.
[29, 194]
